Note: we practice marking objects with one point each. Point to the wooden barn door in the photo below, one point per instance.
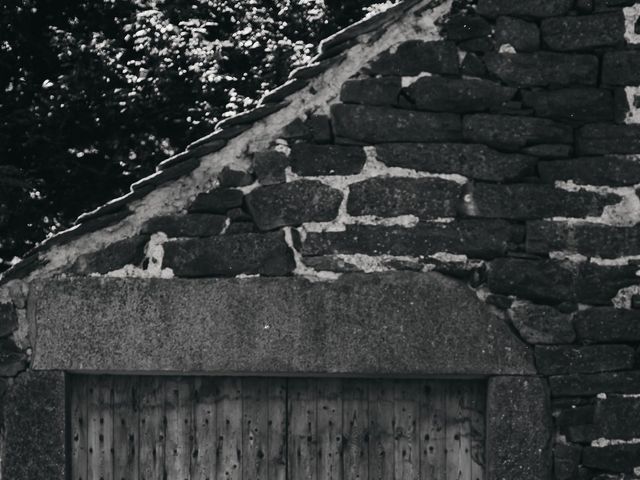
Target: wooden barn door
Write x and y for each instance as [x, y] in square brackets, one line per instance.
[231, 428]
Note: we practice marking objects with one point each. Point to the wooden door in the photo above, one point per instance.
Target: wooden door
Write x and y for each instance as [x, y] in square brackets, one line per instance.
[244, 428]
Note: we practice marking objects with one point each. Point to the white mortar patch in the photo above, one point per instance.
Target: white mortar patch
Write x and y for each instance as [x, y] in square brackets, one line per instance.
[631, 16]
[633, 114]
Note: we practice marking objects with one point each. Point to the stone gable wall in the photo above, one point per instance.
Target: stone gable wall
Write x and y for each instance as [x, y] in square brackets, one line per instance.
[505, 155]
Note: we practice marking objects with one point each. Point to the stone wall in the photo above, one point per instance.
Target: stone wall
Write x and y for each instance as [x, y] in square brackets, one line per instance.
[504, 154]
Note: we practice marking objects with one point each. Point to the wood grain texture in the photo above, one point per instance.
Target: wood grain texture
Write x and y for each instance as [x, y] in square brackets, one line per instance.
[229, 426]
[302, 436]
[125, 428]
[277, 429]
[329, 426]
[100, 428]
[203, 465]
[255, 418]
[152, 428]
[432, 431]
[382, 427]
[78, 427]
[355, 429]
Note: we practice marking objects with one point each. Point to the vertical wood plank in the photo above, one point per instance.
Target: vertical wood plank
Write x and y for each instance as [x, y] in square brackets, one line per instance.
[458, 433]
[203, 464]
[432, 431]
[229, 427]
[381, 421]
[355, 426]
[152, 428]
[79, 428]
[477, 414]
[302, 418]
[329, 426]
[179, 433]
[407, 447]
[125, 428]
[277, 429]
[255, 412]
[100, 432]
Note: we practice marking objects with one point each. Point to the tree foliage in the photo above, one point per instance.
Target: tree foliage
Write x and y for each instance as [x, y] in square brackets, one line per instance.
[94, 93]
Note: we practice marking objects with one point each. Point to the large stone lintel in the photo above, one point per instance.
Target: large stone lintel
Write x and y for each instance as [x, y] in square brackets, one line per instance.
[404, 323]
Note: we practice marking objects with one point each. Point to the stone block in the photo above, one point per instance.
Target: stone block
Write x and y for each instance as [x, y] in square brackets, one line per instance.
[414, 57]
[612, 458]
[320, 128]
[129, 251]
[372, 125]
[621, 67]
[442, 94]
[584, 32]
[541, 324]
[8, 319]
[469, 160]
[12, 359]
[293, 203]
[549, 150]
[592, 384]
[542, 69]
[473, 66]
[607, 139]
[522, 35]
[608, 325]
[230, 178]
[383, 91]
[230, 255]
[269, 167]
[465, 27]
[566, 460]
[394, 196]
[507, 132]
[186, 225]
[528, 9]
[565, 359]
[217, 201]
[618, 417]
[575, 105]
[616, 171]
[518, 429]
[312, 160]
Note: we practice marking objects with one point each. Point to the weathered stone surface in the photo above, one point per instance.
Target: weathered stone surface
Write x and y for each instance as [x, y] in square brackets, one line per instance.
[186, 225]
[609, 5]
[406, 324]
[608, 170]
[529, 9]
[442, 94]
[129, 251]
[541, 324]
[589, 239]
[372, 91]
[522, 35]
[597, 285]
[512, 133]
[293, 203]
[521, 201]
[607, 325]
[621, 67]
[8, 319]
[473, 66]
[566, 460]
[464, 27]
[607, 139]
[549, 151]
[543, 68]
[589, 385]
[230, 178]
[618, 417]
[230, 255]
[309, 159]
[476, 239]
[34, 427]
[380, 124]
[393, 196]
[415, 56]
[584, 31]
[580, 105]
[518, 428]
[556, 360]
[319, 126]
[613, 458]
[331, 263]
[470, 160]
[218, 201]
[269, 167]
[12, 359]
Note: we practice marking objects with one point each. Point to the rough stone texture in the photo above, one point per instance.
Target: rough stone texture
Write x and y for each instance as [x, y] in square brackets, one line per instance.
[372, 91]
[331, 263]
[549, 151]
[522, 35]
[589, 239]
[190, 225]
[293, 203]
[473, 66]
[580, 105]
[607, 325]
[217, 201]
[530, 8]
[589, 385]
[309, 159]
[521, 201]
[512, 133]
[476, 239]
[129, 251]
[584, 31]
[442, 94]
[8, 319]
[393, 196]
[34, 420]
[618, 417]
[250, 254]
[543, 68]
[608, 170]
[606, 139]
[470, 160]
[518, 429]
[269, 167]
[230, 178]
[541, 324]
[12, 359]
[566, 460]
[380, 124]
[414, 57]
[556, 360]
[621, 67]
[465, 27]
[405, 323]
[614, 458]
